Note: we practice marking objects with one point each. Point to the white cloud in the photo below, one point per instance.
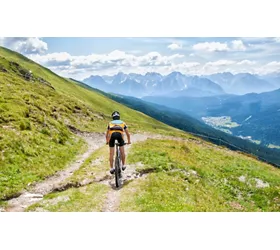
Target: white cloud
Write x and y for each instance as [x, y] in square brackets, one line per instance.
[211, 46]
[238, 45]
[25, 45]
[53, 59]
[81, 67]
[114, 61]
[174, 46]
[248, 62]
[220, 63]
[268, 68]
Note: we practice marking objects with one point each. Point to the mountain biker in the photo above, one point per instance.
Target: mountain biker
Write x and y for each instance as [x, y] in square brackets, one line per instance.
[115, 131]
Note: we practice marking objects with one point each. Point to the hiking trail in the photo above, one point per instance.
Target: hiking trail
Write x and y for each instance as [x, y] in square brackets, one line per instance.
[37, 191]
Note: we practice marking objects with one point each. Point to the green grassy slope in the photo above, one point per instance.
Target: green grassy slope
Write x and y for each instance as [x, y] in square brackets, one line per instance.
[34, 117]
[190, 176]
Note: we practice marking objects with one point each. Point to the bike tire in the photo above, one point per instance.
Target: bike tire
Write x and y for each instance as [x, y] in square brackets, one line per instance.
[117, 172]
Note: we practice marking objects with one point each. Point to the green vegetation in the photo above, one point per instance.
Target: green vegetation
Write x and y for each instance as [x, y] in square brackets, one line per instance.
[35, 116]
[186, 176]
[85, 199]
[184, 122]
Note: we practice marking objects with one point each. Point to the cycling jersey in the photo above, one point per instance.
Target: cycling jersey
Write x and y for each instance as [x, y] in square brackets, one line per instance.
[116, 126]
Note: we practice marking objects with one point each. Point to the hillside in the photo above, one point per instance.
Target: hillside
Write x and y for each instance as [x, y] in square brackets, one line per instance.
[35, 117]
[49, 164]
[180, 120]
[258, 115]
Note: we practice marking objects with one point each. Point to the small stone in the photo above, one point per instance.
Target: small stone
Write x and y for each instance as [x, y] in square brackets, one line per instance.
[242, 178]
[261, 184]
[28, 195]
[193, 172]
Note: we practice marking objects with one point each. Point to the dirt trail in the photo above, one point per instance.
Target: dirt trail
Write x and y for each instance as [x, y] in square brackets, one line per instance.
[95, 141]
[36, 193]
[113, 196]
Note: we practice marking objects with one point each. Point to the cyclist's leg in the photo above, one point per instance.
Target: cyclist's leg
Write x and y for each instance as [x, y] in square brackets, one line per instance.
[111, 153]
[121, 142]
[111, 157]
[122, 154]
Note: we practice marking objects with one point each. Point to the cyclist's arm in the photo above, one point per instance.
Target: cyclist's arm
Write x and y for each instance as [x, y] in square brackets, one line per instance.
[128, 136]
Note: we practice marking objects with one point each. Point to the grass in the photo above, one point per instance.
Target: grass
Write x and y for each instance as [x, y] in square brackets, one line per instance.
[85, 199]
[193, 177]
[35, 140]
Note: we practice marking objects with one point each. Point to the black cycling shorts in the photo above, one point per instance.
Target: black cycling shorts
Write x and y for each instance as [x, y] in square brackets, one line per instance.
[116, 136]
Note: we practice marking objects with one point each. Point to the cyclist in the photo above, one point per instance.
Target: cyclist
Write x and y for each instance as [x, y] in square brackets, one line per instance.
[115, 131]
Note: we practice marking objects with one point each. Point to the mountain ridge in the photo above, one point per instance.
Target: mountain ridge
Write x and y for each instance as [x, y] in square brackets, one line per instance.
[178, 84]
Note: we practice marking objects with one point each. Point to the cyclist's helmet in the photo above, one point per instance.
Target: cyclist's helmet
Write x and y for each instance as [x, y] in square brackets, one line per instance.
[116, 115]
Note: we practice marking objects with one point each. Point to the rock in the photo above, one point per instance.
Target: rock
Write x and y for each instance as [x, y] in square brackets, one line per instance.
[2, 69]
[28, 195]
[261, 184]
[242, 178]
[193, 172]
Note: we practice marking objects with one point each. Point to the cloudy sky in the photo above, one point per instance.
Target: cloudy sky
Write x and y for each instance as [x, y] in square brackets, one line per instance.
[81, 57]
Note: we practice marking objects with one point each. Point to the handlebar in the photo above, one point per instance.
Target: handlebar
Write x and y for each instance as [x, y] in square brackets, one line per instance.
[118, 143]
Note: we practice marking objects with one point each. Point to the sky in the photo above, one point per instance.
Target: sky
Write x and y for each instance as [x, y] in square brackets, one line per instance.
[81, 57]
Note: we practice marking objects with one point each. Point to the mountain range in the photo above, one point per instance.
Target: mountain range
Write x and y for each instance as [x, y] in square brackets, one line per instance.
[177, 84]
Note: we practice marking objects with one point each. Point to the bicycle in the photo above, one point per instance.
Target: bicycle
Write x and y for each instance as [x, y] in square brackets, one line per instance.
[118, 166]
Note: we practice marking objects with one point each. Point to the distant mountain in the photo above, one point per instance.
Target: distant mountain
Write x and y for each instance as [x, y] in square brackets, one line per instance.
[137, 85]
[199, 87]
[177, 84]
[273, 78]
[242, 83]
[98, 83]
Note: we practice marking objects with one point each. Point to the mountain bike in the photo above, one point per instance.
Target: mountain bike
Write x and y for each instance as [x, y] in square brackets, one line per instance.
[118, 166]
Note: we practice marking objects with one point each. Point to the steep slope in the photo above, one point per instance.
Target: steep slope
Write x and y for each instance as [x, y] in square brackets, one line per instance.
[35, 117]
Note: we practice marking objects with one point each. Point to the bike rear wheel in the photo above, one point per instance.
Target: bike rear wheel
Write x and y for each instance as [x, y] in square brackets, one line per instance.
[117, 169]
